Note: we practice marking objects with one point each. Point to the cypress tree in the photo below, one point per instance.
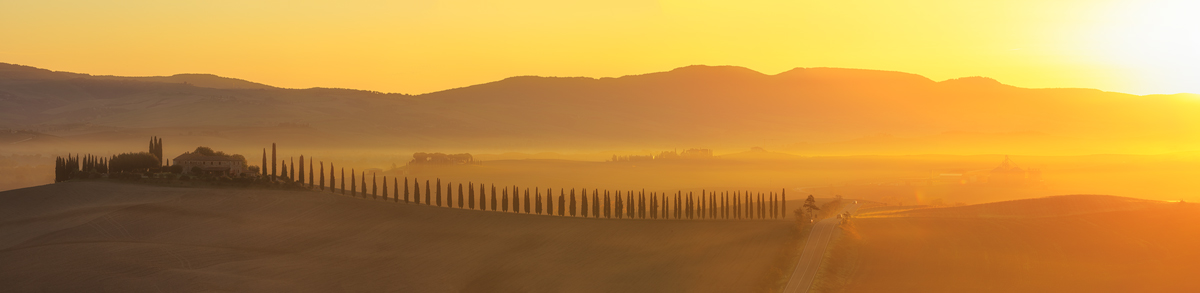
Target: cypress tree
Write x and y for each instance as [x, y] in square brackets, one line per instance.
[310, 173]
[292, 170]
[471, 195]
[572, 202]
[504, 199]
[384, 191]
[323, 175]
[449, 195]
[332, 185]
[343, 180]
[783, 202]
[406, 188]
[537, 201]
[482, 197]
[284, 167]
[273, 160]
[583, 205]
[428, 200]
[301, 178]
[562, 200]
[617, 205]
[527, 200]
[396, 189]
[438, 196]
[416, 190]
[374, 185]
[550, 201]
[460, 196]
[596, 203]
[493, 197]
[607, 205]
[353, 184]
[363, 182]
[264, 163]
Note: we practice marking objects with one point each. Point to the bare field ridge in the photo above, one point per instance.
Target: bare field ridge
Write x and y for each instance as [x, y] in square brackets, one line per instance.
[98, 236]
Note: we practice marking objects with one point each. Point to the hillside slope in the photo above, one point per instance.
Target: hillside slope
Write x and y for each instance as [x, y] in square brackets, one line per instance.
[95, 236]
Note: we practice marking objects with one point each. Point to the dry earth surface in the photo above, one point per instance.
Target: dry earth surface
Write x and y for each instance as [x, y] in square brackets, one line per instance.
[114, 237]
[1076, 243]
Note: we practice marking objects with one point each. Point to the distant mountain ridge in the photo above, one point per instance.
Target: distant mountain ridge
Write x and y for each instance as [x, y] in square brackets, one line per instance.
[811, 110]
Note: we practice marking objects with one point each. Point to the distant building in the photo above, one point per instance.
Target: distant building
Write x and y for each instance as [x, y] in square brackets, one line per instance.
[1009, 174]
[210, 164]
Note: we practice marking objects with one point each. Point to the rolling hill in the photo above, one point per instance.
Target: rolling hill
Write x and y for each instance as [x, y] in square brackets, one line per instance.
[811, 110]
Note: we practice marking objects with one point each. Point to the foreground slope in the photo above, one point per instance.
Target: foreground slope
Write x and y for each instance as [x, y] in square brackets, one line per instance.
[1097, 245]
[95, 236]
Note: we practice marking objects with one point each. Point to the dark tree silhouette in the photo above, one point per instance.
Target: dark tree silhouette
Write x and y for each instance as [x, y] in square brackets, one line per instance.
[783, 202]
[537, 201]
[549, 201]
[504, 199]
[406, 188]
[384, 189]
[583, 205]
[374, 186]
[460, 196]
[416, 190]
[526, 200]
[264, 163]
[596, 203]
[310, 173]
[343, 180]
[493, 197]
[482, 197]
[353, 184]
[323, 174]
[292, 170]
[363, 182]
[273, 160]
[428, 199]
[396, 188]
[572, 202]
[471, 195]
[562, 202]
[607, 205]
[301, 178]
[438, 195]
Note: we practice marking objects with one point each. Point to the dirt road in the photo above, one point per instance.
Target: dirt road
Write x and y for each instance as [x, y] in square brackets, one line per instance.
[814, 252]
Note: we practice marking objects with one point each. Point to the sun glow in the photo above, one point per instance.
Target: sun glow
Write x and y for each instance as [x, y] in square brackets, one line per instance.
[1158, 40]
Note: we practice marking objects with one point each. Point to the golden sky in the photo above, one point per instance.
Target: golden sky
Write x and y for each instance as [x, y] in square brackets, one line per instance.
[418, 46]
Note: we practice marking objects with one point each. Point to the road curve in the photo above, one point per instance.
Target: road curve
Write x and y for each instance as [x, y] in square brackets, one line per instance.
[814, 251]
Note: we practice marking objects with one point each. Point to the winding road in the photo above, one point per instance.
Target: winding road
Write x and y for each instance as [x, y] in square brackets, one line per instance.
[814, 252]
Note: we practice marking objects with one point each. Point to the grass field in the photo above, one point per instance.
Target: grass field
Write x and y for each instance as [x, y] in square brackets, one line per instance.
[96, 236]
[1093, 244]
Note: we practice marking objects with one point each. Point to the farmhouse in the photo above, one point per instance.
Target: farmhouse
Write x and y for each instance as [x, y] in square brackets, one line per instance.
[205, 161]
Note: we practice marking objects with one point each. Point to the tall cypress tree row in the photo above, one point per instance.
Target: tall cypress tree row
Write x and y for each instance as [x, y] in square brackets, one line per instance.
[549, 201]
[583, 205]
[292, 170]
[460, 196]
[629, 204]
[493, 197]
[596, 203]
